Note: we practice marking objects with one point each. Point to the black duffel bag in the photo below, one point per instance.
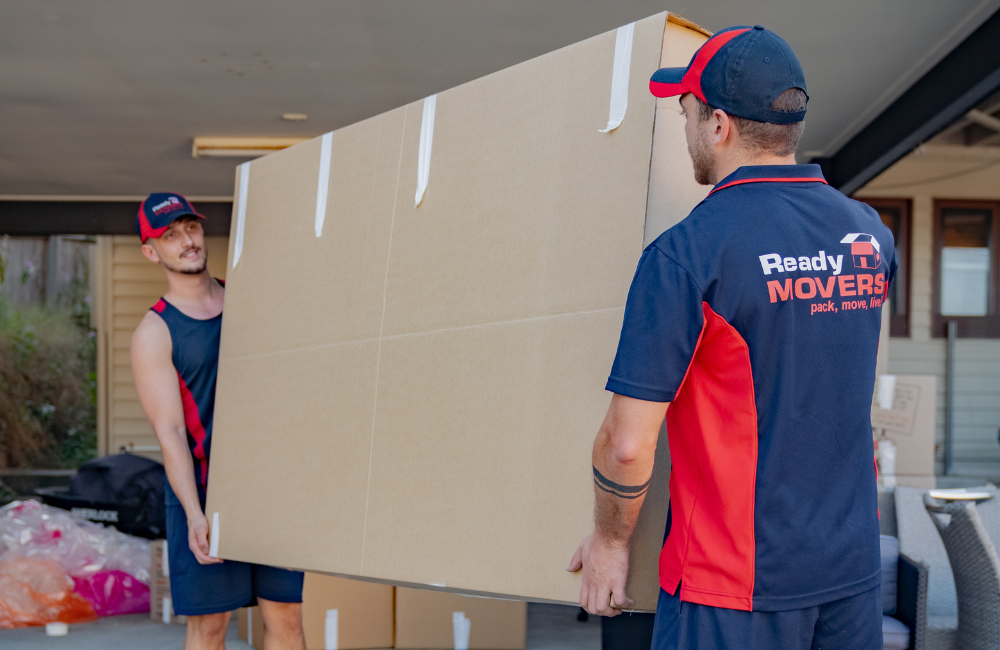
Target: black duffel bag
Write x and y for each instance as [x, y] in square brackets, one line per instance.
[124, 490]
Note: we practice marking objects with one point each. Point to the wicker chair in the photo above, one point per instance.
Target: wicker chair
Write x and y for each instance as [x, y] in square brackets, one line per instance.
[976, 568]
[919, 540]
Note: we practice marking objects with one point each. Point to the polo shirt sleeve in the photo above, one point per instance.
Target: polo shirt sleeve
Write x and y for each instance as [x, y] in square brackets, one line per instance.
[663, 320]
[891, 275]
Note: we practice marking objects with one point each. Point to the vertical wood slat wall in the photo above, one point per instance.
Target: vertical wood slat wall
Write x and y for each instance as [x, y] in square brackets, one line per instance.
[126, 285]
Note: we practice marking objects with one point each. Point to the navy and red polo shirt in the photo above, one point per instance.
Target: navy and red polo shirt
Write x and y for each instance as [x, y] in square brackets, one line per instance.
[758, 318]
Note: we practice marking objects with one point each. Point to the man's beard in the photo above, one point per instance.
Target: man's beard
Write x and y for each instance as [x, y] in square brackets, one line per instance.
[190, 270]
[704, 163]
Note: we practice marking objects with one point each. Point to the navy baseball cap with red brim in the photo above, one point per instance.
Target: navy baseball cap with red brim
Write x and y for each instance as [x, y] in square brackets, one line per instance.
[740, 70]
[160, 210]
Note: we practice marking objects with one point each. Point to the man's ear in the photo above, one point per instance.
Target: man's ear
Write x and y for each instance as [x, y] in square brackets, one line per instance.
[150, 253]
[723, 126]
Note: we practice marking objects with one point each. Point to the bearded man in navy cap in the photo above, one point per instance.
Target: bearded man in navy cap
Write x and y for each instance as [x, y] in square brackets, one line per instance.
[175, 361]
[751, 320]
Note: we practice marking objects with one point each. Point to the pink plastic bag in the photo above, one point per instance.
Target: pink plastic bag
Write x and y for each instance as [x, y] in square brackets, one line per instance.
[36, 592]
[114, 592]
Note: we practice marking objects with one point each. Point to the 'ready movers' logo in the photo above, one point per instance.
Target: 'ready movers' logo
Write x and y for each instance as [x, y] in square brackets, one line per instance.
[864, 250]
[865, 255]
[172, 203]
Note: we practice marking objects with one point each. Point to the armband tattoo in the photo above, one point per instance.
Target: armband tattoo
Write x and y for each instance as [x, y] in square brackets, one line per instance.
[618, 490]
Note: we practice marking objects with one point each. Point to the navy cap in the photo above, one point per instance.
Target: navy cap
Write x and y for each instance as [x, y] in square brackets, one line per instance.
[160, 210]
[740, 70]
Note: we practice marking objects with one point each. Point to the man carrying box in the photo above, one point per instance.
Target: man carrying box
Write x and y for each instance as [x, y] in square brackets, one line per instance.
[175, 358]
[751, 319]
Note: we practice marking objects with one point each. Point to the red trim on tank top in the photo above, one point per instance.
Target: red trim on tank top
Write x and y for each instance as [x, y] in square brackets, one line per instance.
[160, 305]
[192, 420]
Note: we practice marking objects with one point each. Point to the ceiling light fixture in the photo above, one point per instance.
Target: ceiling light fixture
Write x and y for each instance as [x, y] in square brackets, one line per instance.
[240, 147]
[294, 117]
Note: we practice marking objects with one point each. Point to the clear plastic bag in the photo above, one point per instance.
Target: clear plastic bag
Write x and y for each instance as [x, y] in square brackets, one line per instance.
[82, 548]
[36, 592]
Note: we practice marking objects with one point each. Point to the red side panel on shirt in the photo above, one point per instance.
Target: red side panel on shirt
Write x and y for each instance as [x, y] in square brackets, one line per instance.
[195, 428]
[712, 427]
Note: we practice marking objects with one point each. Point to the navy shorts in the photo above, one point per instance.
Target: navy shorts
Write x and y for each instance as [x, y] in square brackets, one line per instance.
[198, 589]
[854, 623]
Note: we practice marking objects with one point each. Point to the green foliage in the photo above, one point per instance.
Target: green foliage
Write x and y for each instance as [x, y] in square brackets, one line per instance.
[48, 383]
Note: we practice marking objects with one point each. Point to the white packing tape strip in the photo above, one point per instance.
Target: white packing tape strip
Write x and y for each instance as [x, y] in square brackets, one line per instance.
[619, 77]
[167, 605]
[461, 626]
[250, 626]
[330, 631]
[426, 140]
[326, 150]
[241, 212]
[886, 391]
[213, 544]
[166, 560]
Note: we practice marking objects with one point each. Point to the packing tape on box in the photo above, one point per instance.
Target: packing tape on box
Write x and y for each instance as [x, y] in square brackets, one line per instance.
[619, 76]
[426, 140]
[241, 212]
[166, 560]
[461, 626]
[325, 152]
[330, 631]
[213, 544]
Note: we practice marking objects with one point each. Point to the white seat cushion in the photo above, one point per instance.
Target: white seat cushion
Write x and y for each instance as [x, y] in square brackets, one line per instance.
[895, 635]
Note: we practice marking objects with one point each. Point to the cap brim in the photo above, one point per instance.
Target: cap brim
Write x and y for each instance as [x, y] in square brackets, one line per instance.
[156, 233]
[668, 82]
[187, 213]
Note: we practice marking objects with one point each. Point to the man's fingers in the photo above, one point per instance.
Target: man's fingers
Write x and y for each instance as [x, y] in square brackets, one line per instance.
[603, 598]
[619, 600]
[204, 558]
[577, 562]
[592, 604]
[198, 541]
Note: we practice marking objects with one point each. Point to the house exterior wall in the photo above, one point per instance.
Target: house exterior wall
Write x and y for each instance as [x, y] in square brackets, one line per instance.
[923, 176]
[126, 286]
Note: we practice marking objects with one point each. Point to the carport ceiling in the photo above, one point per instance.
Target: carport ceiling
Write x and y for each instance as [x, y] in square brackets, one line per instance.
[104, 98]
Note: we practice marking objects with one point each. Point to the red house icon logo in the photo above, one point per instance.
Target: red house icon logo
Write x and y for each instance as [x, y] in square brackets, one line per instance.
[864, 250]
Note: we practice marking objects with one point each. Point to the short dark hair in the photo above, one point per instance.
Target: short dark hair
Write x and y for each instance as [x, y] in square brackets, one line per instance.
[764, 137]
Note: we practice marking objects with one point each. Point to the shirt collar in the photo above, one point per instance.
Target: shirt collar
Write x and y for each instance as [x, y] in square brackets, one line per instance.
[772, 174]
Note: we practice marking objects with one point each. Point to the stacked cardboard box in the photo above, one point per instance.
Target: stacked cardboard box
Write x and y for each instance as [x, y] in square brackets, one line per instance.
[445, 285]
[160, 606]
[336, 613]
[910, 424]
[434, 619]
[250, 625]
[355, 615]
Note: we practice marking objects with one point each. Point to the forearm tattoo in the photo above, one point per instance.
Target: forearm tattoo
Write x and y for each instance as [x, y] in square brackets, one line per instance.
[618, 490]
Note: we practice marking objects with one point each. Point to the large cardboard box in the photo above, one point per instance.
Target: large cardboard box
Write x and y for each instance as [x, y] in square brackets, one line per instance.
[336, 613]
[431, 619]
[409, 393]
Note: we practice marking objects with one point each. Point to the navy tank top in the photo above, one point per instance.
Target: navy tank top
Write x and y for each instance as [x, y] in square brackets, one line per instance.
[195, 355]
